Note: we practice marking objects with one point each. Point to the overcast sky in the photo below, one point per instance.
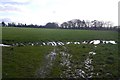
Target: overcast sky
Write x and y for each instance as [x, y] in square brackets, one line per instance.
[42, 11]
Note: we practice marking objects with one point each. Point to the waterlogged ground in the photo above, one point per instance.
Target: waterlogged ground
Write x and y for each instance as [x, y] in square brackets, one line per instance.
[85, 64]
[86, 59]
[53, 53]
[59, 43]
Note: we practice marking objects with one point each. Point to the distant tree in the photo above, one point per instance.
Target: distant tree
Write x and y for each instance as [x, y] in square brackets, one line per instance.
[69, 24]
[9, 24]
[74, 24]
[87, 23]
[3, 24]
[51, 25]
[31, 25]
[101, 24]
[93, 23]
[84, 24]
[78, 23]
[12, 24]
[19, 25]
[64, 25]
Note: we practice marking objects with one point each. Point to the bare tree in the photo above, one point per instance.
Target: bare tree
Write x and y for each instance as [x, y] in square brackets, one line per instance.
[64, 25]
[70, 24]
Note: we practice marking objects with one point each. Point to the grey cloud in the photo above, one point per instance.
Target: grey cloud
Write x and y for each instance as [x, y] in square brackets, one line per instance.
[5, 20]
[15, 3]
[11, 2]
[9, 8]
[10, 5]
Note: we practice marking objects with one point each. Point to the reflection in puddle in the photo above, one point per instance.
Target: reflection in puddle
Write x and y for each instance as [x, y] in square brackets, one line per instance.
[3, 45]
[68, 42]
[58, 43]
[70, 68]
[52, 56]
[112, 42]
[73, 71]
[45, 70]
[92, 53]
[95, 42]
[76, 42]
[84, 42]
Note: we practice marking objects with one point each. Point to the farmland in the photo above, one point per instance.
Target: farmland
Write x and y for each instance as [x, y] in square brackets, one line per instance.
[37, 34]
[69, 61]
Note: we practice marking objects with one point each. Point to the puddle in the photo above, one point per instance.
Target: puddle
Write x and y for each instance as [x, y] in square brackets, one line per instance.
[70, 68]
[73, 71]
[58, 43]
[51, 56]
[84, 42]
[68, 42]
[44, 43]
[3, 45]
[95, 46]
[76, 42]
[52, 43]
[88, 65]
[44, 71]
[65, 60]
[95, 42]
[107, 42]
[92, 53]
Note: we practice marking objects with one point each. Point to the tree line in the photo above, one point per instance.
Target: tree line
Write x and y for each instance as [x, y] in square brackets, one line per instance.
[72, 24]
[92, 25]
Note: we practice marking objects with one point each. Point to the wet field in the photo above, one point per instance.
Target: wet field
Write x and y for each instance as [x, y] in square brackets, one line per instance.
[85, 59]
[58, 53]
[59, 43]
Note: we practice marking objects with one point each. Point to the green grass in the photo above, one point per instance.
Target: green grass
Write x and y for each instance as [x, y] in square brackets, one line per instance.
[23, 62]
[38, 34]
